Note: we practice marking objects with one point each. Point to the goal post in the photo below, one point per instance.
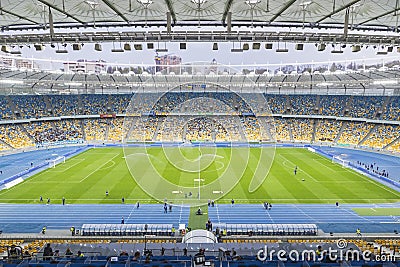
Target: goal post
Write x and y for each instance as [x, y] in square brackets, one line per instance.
[344, 163]
[56, 161]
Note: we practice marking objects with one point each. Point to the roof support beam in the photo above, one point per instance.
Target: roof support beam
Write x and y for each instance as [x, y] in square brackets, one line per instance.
[61, 11]
[171, 10]
[338, 10]
[110, 5]
[381, 15]
[288, 4]
[228, 5]
[18, 16]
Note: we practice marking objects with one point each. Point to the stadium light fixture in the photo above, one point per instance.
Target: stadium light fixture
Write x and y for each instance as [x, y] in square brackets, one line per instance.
[321, 47]
[182, 46]
[138, 47]
[38, 47]
[150, 46]
[76, 47]
[215, 46]
[246, 46]
[127, 47]
[5, 49]
[268, 46]
[256, 46]
[299, 46]
[356, 48]
[97, 47]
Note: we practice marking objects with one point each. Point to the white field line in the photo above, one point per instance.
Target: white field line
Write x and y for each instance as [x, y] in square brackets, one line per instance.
[98, 168]
[69, 167]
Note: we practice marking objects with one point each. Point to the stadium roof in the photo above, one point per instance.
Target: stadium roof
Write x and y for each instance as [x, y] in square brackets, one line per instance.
[318, 15]
[375, 82]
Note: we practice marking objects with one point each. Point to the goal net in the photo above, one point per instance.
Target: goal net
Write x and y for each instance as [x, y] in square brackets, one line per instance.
[56, 161]
[343, 162]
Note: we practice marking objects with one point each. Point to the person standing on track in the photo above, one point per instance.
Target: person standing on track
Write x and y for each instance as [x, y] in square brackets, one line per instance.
[295, 170]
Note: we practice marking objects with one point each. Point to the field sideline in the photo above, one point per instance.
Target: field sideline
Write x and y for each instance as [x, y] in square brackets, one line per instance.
[86, 177]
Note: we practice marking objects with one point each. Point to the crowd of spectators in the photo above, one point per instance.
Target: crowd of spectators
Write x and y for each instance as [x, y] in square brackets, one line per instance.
[30, 106]
[302, 130]
[332, 105]
[199, 129]
[354, 132]
[148, 125]
[392, 110]
[302, 104]
[13, 135]
[36, 106]
[327, 130]
[382, 136]
[282, 130]
[64, 105]
[5, 109]
[116, 129]
[54, 131]
[95, 129]
[365, 106]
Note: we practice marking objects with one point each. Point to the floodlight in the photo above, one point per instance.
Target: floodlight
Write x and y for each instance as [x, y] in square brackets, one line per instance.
[5, 49]
[321, 47]
[127, 47]
[299, 46]
[268, 46]
[76, 47]
[97, 47]
[215, 46]
[256, 46]
[356, 48]
[38, 47]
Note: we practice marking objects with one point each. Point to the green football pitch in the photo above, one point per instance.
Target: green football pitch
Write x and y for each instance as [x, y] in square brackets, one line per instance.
[86, 177]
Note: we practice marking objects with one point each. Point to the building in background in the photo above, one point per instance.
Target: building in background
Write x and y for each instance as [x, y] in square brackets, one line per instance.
[167, 63]
[16, 62]
[85, 66]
